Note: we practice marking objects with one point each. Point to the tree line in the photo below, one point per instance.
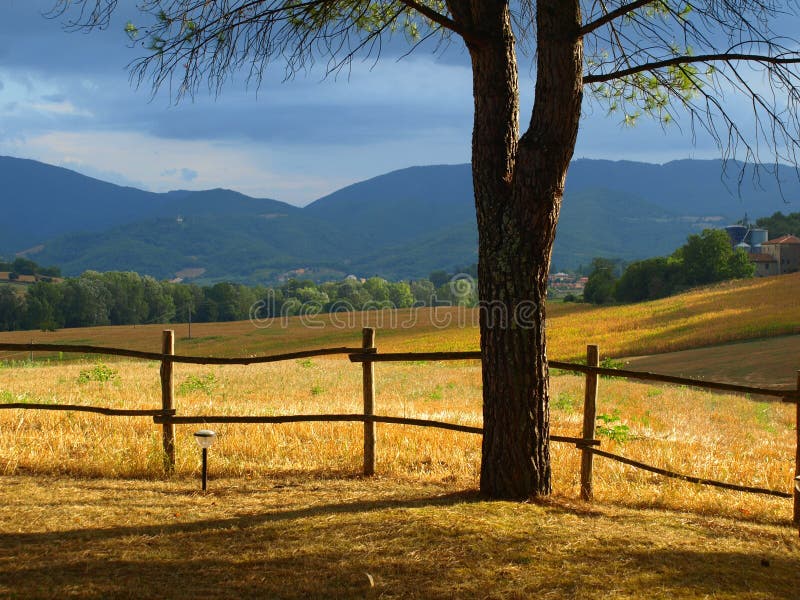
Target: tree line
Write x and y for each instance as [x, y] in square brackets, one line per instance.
[127, 298]
[705, 258]
[779, 224]
[24, 266]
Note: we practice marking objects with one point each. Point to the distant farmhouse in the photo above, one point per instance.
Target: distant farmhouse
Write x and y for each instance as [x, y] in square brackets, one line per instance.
[771, 257]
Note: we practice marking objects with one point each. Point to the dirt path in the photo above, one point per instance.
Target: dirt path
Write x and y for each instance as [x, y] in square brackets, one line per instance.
[772, 362]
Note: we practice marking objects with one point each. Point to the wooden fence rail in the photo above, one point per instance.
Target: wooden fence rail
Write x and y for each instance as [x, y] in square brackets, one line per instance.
[689, 478]
[177, 358]
[109, 412]
[334, 418]
[368, 355]
[787, 395]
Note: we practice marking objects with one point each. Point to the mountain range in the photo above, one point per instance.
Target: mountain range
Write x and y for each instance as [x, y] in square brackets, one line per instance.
[402, 224]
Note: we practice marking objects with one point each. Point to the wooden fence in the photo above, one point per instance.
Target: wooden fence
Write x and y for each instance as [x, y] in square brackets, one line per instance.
[367, 354]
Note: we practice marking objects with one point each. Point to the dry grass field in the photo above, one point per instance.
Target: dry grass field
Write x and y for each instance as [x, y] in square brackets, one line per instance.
[86, 509]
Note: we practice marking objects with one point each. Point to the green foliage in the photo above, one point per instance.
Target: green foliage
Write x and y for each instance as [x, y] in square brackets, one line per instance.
[316, 390]
[601, 283]
[436, 393]
[704, 258]
[611, 363]
[611, 427]
[126, 298]
[193, 383]
[564, 401]
[101, 373]
[764, 417]
[779, 224]
[25, 266]
[649, 279]
[708, 258]
[400, 295]
[7, 397]
[423, 291]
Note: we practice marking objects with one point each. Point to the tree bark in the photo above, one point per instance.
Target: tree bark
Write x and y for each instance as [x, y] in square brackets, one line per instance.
[519, 184]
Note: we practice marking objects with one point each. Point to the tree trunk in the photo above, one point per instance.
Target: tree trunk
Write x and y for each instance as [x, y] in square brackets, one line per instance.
[519, 183]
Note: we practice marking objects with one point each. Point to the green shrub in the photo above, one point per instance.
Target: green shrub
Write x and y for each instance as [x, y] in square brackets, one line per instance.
[610, 426]
[564, 401]
[100, 372]
[193, 383]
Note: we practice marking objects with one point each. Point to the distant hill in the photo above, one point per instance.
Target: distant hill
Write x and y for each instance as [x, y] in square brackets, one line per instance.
[397, 207]
[692, 187]
[41, 202]
[402, 224]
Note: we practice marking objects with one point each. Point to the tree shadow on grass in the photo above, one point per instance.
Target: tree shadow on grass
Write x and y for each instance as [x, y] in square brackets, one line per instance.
[436, 546]
[239, 523]
[250, 567]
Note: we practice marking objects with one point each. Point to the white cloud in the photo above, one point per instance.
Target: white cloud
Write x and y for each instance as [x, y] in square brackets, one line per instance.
[26, 95]
[58, 108]
[134, 157]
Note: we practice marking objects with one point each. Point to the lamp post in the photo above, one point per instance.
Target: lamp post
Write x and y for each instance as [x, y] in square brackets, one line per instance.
[204, 439]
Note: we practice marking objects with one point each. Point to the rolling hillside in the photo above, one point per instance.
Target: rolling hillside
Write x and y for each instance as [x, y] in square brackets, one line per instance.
[403, 224]
[718, 314]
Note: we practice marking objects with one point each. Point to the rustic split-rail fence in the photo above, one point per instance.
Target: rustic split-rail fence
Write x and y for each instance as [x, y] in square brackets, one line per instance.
[367, 355]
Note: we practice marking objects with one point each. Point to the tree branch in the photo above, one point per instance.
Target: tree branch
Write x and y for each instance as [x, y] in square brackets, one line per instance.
[614, 14]
[443, 20]
[686, 60]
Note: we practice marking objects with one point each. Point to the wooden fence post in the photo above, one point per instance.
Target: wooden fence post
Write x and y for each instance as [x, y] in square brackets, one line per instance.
[368, 368]
[797, 455]
[589, 418]
[167, 387]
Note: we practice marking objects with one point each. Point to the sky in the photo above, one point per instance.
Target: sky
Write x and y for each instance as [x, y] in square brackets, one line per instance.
[66, 99]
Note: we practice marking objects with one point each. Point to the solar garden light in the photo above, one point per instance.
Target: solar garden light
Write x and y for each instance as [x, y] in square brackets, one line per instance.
[204, 439]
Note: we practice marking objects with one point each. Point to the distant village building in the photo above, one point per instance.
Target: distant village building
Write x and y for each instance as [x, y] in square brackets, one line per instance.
[784, 253]
[765, 264]
[771, 257]
[562, 283]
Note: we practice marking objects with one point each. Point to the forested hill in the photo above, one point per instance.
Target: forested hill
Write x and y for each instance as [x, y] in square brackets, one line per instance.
[403, 224]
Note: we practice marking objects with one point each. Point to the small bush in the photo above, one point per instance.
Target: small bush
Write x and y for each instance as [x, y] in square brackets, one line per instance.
[100, 372]
[7, 397]
[612, 363]
[436, 393]
[564, 401]
[193, 383]
[611, 427]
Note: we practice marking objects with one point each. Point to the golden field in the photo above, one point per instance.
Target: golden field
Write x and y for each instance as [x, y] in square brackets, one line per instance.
[86, 509]
[748, 442]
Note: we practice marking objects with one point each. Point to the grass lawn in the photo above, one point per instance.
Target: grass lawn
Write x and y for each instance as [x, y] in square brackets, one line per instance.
[346, 537]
